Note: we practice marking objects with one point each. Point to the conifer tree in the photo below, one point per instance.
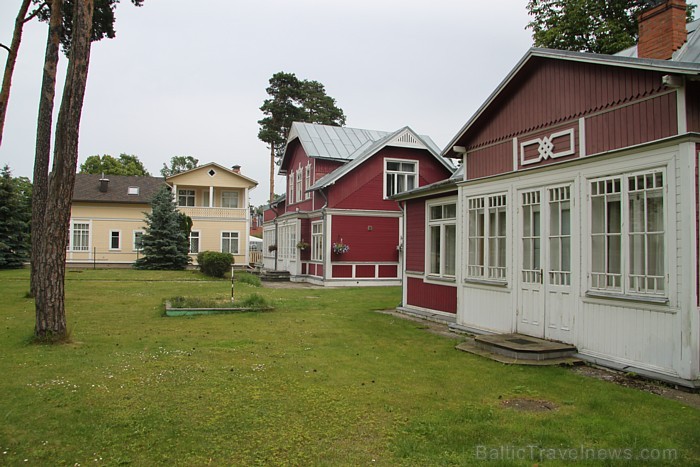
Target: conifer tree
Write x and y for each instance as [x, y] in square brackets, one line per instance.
[15, 214]
[165, 244]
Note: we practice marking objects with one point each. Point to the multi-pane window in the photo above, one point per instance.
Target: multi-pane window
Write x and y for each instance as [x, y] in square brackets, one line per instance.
[317, 241]
[486, 237]
[308, 180]
[290, 189]
[138, 240]
[400, 176]
[300, 188]
[531, 237]
[79, 236]
[185, 197]
[194, 241]
[442, 225]
[287, 245]
[115, 240]
[205, 198]
[560, 235]
[269, 240]
[628, 257]
[229, 199]
[229, 242]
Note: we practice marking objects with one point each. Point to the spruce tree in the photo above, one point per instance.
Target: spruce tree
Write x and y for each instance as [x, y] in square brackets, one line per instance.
[15, 214]
[165, 244]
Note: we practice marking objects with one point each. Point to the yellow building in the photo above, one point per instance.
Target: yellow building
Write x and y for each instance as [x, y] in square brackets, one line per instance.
[107, 215]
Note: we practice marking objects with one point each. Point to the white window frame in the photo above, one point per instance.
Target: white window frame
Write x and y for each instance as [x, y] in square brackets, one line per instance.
[441, 224]
[198, 237]
[487, 250]
[287, 245]
[87, 239]
[119, 240]
[134, 234]
[290, 187]
[299, 185]
[317, 241]
[230, 235]
[224, 194]
[307, 195]
[399, 174]
[133, 190]
[269, 240]
[187, 195]
[624, 282]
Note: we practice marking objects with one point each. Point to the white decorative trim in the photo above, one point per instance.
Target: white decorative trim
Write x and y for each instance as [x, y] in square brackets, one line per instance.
[582, 137]
[515, 154]
[407, 140]
[546, 147]
[681, 110]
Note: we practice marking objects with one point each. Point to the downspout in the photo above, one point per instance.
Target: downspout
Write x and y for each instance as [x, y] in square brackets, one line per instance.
[323, 228]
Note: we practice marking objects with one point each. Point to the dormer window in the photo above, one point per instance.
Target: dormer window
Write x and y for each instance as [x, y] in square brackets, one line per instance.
[133, 190]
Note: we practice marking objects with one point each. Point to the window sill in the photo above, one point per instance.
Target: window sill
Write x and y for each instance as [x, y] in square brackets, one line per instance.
[433, 278]
[627, 298]
[491, 282]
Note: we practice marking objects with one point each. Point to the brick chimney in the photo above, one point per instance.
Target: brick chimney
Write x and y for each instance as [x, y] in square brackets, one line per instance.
[661, 29]
[104, 184]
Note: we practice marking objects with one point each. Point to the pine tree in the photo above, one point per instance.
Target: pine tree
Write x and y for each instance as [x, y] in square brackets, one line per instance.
[15, 214]
[165, 244]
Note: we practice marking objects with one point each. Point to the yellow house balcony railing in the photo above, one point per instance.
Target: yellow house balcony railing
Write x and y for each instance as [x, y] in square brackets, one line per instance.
[215, 213]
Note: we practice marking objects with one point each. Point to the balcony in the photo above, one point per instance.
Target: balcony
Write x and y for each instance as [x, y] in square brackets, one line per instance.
[199, 212]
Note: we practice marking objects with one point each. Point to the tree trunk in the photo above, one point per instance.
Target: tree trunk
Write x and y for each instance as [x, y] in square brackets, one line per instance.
[51, 265]
[272, 172]
[10, 64]
[43, 136]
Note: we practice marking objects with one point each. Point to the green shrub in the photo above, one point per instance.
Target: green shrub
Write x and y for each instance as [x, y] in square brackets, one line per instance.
[254, 301]
[213, 263]
[247, 278]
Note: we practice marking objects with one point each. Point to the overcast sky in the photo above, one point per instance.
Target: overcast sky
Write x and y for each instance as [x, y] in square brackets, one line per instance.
[188, 78]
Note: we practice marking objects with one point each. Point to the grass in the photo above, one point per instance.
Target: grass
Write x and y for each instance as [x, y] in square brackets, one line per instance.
[321, 380]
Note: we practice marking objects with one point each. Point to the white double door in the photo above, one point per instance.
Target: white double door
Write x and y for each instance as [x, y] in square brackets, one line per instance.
[546, 303]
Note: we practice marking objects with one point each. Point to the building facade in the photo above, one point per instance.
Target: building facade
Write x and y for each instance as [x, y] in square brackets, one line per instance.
[336, 223]
[107, 214]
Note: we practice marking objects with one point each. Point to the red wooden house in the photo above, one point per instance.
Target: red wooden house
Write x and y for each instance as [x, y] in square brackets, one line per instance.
[575, 215]
[336, 224]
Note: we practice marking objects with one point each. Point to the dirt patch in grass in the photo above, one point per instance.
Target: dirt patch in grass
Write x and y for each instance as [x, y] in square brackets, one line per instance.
[529, 405]
[653, 387]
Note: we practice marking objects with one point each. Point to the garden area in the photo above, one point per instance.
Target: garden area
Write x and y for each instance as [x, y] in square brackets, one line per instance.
[322, 378]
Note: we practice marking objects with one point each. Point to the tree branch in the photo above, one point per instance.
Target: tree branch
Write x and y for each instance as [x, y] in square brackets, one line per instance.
[35, 12]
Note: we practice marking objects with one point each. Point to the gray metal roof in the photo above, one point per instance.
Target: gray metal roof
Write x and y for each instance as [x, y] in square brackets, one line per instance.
[690, 52]
[368, 149]
[332, 142]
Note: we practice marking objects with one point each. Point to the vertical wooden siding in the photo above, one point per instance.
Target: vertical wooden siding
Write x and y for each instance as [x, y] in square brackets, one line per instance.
[490, 160]
[692, 99]
[431, 296]
[375, 245]
[550, 91]
[414, 241]
[363, 188]
[633, 124]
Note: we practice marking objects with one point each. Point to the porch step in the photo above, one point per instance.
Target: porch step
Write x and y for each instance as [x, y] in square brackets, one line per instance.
[274, 276]
[520, 349]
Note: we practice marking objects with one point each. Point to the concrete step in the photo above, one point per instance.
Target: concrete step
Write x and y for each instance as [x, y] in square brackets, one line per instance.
[521, 347]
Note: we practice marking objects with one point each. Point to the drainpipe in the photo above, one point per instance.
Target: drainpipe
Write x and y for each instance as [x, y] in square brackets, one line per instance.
[323, 228]
[276, 238]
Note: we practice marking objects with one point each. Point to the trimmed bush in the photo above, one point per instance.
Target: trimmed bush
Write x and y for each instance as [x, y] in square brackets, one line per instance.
[213, 263]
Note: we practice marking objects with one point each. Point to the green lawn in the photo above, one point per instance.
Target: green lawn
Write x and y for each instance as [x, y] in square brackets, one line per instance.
[323, 379]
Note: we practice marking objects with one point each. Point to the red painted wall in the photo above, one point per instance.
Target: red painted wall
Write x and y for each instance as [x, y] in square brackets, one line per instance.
[431, 296]
[634, 124]
[414, 242]
[376, 245]
[548, 91]
[692, 102]
[363, 188]
[298, 156]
